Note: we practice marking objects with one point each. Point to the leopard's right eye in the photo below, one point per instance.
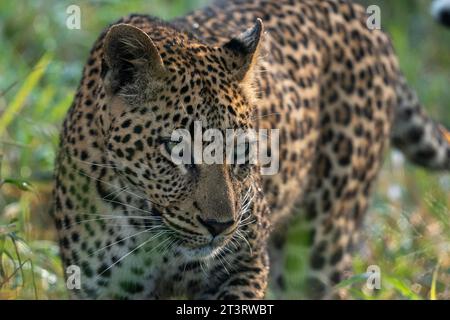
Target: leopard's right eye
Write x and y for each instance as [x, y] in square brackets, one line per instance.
[169, 145]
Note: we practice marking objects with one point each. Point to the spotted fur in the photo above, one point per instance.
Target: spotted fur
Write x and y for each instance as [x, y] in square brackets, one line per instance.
[141, 227]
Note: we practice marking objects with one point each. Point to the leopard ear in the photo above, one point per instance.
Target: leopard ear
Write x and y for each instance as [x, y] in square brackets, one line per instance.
[244, 50]
[129, 56]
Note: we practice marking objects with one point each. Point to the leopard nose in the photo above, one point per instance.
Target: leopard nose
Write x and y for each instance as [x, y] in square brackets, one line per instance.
[214, 226]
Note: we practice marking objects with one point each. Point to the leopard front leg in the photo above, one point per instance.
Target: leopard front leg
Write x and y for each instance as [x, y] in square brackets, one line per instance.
[248, 280]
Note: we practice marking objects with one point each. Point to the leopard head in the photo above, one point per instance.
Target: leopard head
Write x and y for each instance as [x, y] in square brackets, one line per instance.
[160, 81]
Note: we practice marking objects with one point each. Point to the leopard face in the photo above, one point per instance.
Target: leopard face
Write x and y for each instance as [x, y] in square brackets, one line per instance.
[155, 87]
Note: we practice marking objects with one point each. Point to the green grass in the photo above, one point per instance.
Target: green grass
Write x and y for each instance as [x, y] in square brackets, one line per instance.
[407, 229]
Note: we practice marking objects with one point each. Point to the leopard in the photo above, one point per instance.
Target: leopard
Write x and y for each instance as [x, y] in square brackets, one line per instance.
[137, 225]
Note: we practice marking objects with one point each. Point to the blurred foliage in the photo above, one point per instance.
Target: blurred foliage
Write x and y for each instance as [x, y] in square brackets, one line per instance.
[407, 231]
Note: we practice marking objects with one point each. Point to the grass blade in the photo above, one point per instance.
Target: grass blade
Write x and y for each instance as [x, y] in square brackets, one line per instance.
[19, 100]
[433, 284]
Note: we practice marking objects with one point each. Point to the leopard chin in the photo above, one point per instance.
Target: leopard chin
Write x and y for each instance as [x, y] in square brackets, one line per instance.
[203, 252]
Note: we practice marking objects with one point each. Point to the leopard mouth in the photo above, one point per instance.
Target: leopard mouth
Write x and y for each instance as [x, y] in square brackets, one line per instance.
[195, 245]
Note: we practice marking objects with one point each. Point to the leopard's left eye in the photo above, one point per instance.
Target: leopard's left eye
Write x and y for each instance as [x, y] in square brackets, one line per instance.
[177, 155]
[244, 153]
[169, 145]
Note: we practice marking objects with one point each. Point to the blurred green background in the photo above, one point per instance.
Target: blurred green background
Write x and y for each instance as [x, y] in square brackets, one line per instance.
[407, 230]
